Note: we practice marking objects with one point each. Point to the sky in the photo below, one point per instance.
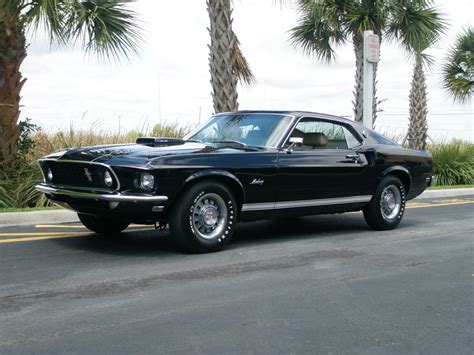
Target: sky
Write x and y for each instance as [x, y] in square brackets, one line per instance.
[169, 81]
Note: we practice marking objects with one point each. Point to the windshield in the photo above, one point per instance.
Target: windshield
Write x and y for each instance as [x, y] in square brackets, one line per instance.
[260, 130]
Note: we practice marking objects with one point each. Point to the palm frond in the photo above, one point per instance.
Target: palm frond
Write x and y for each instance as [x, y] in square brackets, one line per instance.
[415, 24]
[320, 28]
[458, 67]
[241, 65]
[48, 14]
[107, 28]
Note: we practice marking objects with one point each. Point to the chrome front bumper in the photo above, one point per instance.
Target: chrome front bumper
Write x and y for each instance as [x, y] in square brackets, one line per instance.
[109, 197]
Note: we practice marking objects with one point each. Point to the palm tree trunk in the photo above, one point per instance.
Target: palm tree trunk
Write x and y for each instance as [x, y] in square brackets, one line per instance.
[358, 92]
[12, 54]
[221, 57]
[375, 101]
[418, 124]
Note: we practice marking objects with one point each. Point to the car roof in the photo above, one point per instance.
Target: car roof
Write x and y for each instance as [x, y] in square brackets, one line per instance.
[295, 113]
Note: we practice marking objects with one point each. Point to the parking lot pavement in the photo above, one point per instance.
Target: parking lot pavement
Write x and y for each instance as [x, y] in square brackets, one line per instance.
[322, 284]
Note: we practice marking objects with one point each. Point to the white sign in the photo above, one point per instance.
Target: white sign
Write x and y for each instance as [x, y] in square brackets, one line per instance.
[371, 48]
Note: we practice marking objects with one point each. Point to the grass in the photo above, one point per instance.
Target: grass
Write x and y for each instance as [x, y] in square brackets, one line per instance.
[453, 163]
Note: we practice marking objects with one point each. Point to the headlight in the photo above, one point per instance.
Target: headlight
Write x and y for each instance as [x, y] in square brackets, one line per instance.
[147, 181]
[108, 181]
[49, 175]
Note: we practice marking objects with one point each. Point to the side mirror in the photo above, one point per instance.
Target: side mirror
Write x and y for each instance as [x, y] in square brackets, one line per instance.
[294, 142]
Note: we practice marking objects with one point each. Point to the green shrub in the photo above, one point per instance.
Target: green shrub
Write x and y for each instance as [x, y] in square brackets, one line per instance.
[453, 163]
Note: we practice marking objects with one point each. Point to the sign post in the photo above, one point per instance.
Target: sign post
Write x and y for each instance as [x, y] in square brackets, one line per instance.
[371, 56]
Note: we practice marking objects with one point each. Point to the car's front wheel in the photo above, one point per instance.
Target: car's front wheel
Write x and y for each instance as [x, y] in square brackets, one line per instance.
[103, 225]
[385, 210]
[203, 219]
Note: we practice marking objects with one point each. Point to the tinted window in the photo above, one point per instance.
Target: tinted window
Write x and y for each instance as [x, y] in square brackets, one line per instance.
[381, 139]
[338, 136]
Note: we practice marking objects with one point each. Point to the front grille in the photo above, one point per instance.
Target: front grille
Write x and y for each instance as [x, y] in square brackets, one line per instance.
[79, 175]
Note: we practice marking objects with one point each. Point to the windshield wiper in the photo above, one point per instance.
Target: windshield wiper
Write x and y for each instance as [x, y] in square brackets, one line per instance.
[194, 140]
[241, 144]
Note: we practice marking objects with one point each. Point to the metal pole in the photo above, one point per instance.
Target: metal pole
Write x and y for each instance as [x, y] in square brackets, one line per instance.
[368, 87]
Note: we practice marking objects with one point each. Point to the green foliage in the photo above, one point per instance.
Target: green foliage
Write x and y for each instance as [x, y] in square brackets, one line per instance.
[105, 27]
[453, 163]
[458, 68]
[26, 142]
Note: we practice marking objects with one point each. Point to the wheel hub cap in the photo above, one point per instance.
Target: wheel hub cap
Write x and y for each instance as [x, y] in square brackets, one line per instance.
[209, 215]
[391, 202]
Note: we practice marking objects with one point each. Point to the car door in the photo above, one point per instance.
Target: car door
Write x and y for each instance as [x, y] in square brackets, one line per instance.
[326, 169]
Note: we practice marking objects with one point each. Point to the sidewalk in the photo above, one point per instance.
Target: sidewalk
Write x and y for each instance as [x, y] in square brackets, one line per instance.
[10, 219]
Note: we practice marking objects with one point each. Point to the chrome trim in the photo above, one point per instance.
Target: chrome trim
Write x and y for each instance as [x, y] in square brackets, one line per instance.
[112, 197]
[258, 206]
[108, 167]
[305, 203]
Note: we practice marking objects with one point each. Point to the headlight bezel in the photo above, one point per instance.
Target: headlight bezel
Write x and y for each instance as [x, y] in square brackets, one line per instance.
[147, 182]
[49, 176]
[108, 179]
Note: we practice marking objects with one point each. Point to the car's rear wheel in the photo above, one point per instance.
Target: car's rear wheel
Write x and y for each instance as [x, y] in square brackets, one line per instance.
[103, 225]
[203, 219]
[386, 209]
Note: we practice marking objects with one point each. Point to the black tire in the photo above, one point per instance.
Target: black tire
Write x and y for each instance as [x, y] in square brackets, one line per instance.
[103, 225]
[204, 218]
[377, 213]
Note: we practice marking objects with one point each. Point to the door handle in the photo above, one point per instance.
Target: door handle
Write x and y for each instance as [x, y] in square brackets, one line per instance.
[354, 157]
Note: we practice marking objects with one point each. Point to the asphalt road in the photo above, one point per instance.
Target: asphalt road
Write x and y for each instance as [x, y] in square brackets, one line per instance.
[323, 284]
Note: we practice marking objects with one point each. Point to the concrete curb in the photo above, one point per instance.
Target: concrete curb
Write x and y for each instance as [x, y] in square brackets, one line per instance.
[10, 219]
[446, 193]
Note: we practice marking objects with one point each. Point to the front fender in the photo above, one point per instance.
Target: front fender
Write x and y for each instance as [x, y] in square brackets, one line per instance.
[220, 174]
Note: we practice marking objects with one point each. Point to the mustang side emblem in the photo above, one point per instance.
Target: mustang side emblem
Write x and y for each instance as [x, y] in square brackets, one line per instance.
[88, 174]
[257, 182]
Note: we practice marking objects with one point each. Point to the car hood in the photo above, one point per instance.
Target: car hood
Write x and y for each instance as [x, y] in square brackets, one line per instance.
[134, 154]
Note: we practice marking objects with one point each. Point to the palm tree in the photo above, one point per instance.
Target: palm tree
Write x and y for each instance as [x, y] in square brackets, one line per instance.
[417, 25]
[458, 68]
[226, 61]
[325, 24]
[104, 27]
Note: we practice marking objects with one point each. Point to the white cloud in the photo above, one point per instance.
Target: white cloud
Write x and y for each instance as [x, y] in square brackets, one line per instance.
[173, 66]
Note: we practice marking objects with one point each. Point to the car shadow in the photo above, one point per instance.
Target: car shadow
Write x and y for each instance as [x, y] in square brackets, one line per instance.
[151, 242]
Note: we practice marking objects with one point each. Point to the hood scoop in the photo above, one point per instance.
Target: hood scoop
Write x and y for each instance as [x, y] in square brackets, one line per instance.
[159, 142]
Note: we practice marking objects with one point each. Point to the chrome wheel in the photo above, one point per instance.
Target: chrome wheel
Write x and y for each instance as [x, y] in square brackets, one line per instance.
[209, 216]
[390, 202]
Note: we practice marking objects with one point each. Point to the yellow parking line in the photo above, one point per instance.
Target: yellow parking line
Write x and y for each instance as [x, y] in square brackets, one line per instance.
[15, 240]
[442, 204]
[39, 226]
[40, 234]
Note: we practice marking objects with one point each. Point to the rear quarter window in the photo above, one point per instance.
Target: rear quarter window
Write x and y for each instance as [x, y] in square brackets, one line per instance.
[381, 139]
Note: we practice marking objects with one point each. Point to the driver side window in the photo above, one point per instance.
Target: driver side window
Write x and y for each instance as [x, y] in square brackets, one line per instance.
[320, 134]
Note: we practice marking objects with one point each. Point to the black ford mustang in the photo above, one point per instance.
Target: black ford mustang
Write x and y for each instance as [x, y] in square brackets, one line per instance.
[238, 165]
